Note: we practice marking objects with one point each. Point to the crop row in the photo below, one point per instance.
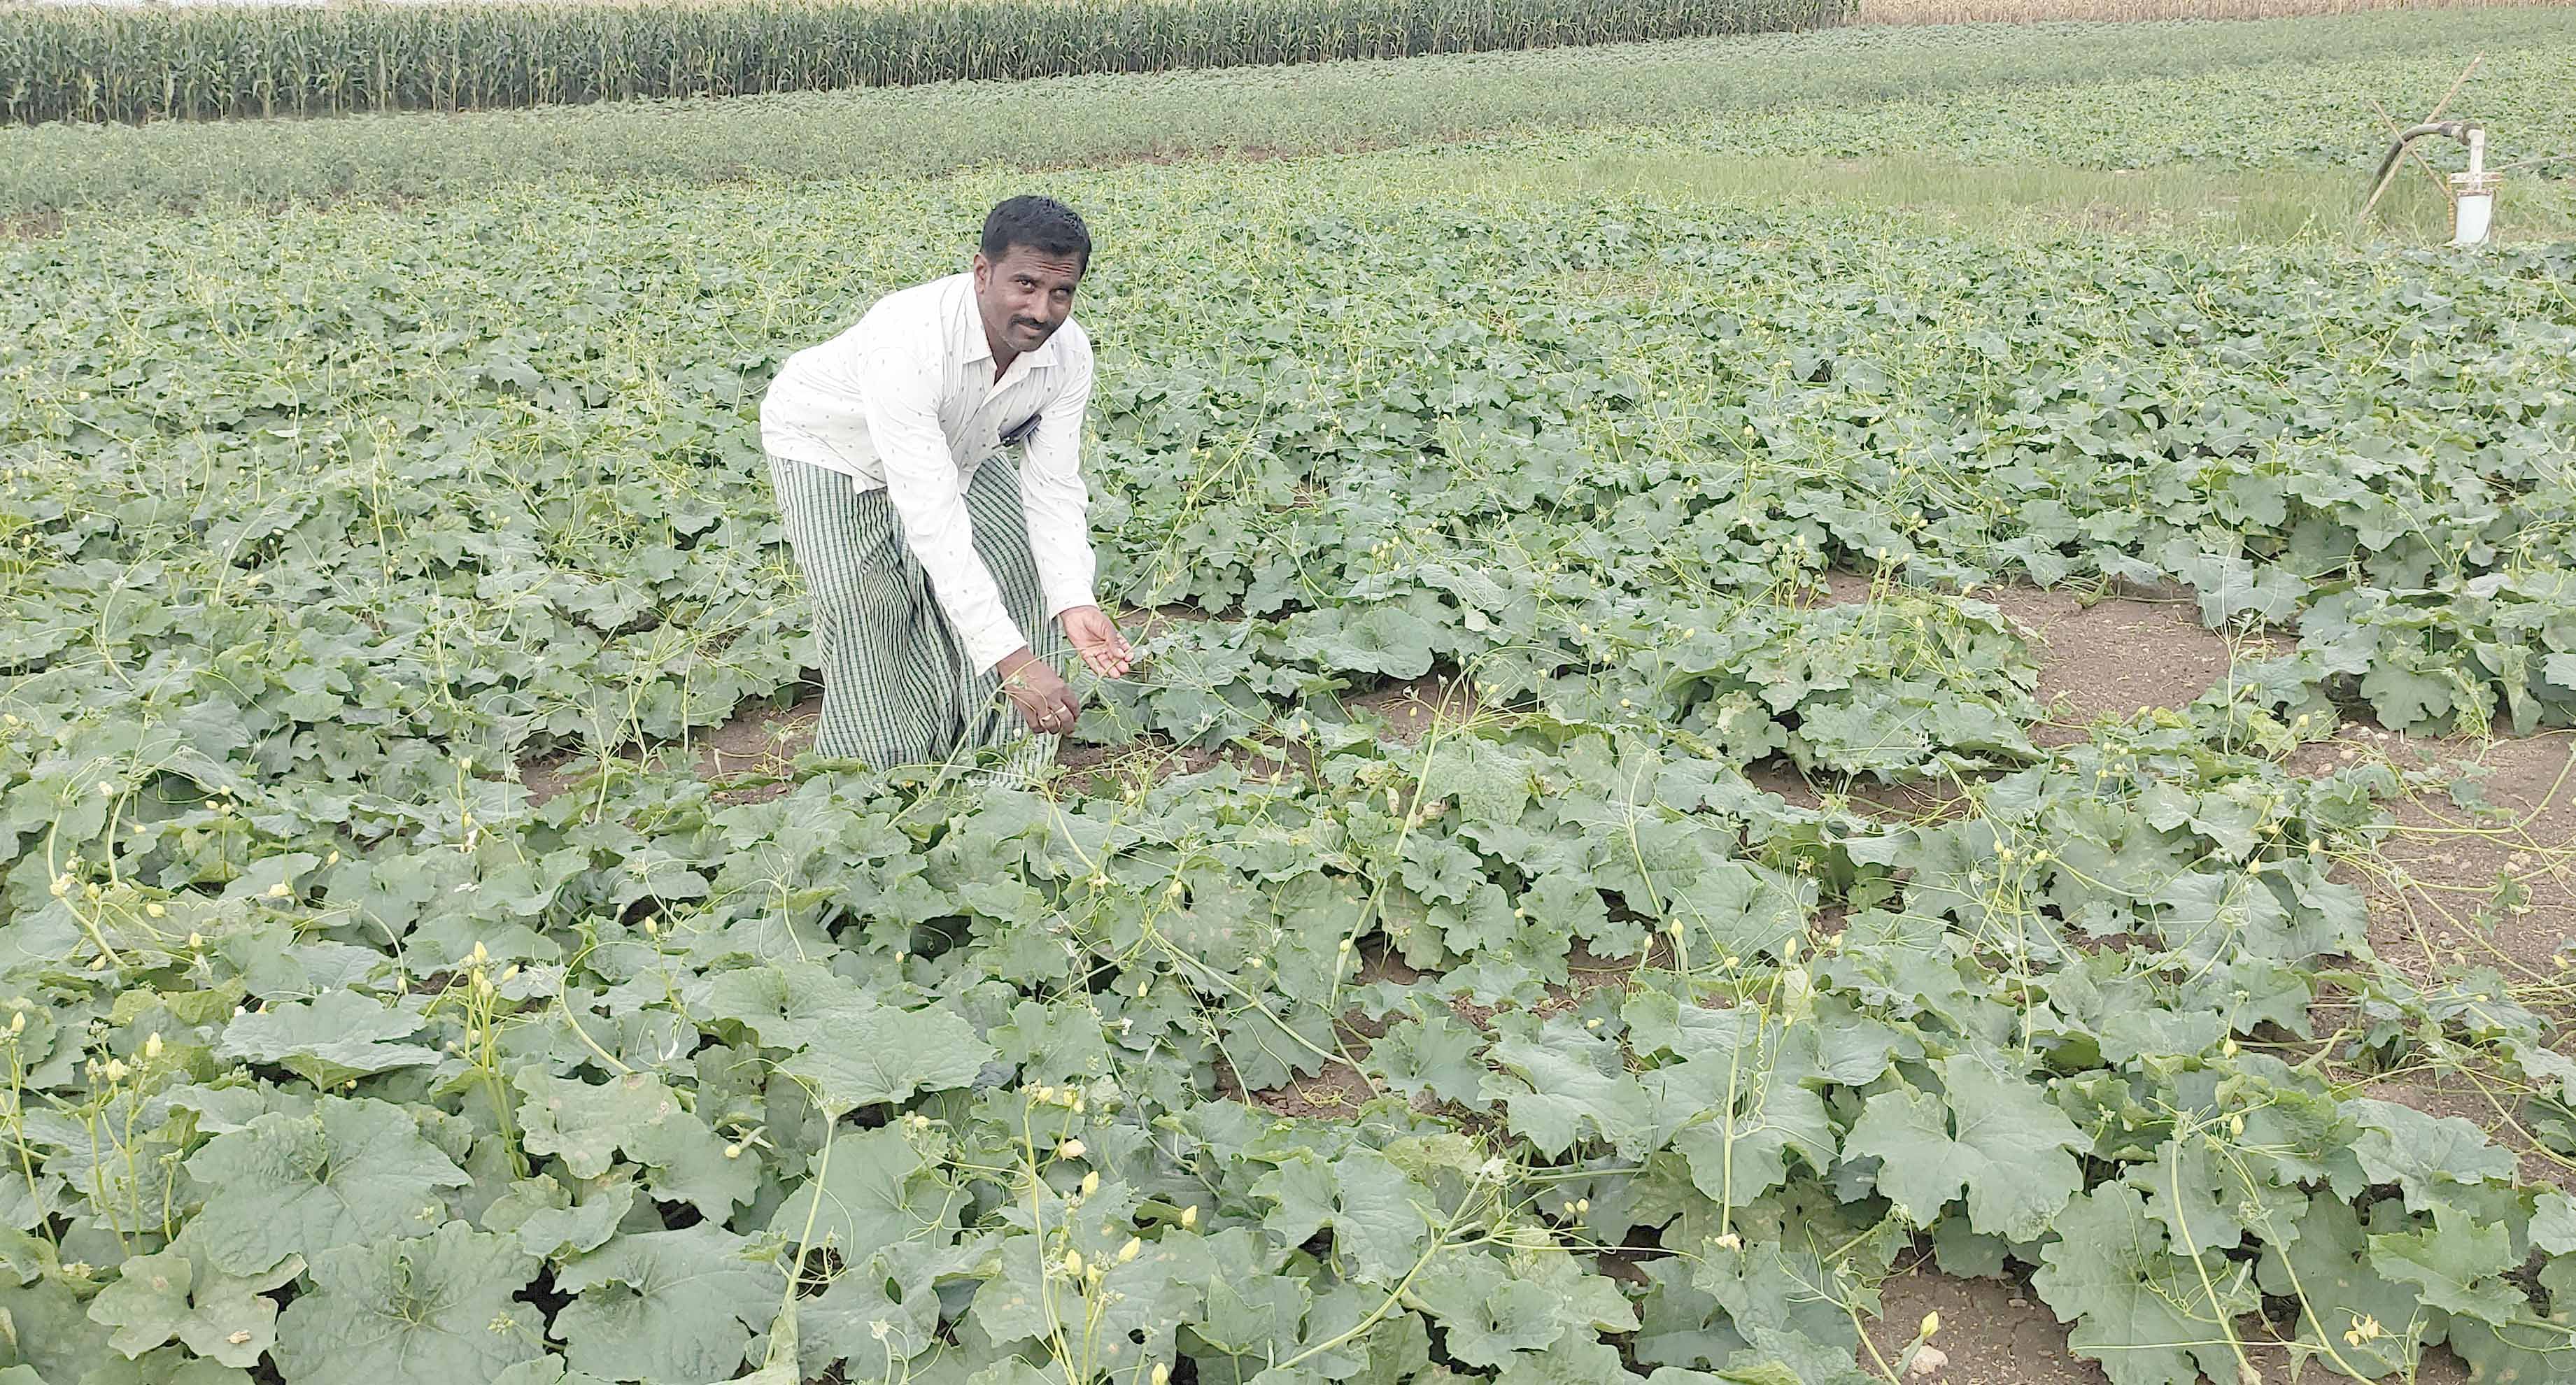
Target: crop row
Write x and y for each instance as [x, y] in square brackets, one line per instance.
[224, 61]
[329, 1055]
[2273, 97]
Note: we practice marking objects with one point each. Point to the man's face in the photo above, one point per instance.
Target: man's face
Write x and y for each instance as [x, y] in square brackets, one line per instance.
[1025, 295]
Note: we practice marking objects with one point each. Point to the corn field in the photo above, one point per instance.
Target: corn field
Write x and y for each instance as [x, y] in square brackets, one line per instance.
[99, 65]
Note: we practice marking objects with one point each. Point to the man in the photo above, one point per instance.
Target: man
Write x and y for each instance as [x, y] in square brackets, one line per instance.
[940, 573]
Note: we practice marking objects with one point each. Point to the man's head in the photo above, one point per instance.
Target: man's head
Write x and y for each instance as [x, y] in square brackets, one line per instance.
[1035, 250]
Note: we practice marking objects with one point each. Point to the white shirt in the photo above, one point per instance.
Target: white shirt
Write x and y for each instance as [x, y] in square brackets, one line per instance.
[906, 400]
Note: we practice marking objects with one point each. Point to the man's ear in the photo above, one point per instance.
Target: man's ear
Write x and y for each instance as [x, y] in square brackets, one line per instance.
[983, 269]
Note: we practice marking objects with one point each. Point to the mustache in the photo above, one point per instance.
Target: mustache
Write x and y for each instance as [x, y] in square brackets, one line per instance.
[1031, 323]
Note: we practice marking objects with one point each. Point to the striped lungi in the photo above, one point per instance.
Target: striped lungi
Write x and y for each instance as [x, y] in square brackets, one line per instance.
[897, 686]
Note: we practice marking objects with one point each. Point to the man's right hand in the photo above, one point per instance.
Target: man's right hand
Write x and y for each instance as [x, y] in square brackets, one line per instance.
[1045, 702]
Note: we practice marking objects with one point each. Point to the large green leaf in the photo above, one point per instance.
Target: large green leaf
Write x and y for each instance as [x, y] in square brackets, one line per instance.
[2323, 1262]
[328, 1040]
[2423, 1155]
[180, 1292]
[1379, 1217]
[1560, 1083]
[2148, 1315]
[886, 1054]
[668, 1306]
[353, 1171]
[2457, 1263]
[1992, 1136]
[430, 1310]
[587, 1124]
[872, 1189]
[791, 1007]
[1487, 1314]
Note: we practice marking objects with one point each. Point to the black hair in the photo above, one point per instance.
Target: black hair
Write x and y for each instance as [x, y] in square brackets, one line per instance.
[1042, 224]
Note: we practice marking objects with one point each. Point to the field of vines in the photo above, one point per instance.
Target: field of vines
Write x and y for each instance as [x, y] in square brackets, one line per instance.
[1567, 1039]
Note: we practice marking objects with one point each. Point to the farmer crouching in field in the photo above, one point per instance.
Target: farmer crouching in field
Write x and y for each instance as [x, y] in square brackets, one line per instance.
[943, 571]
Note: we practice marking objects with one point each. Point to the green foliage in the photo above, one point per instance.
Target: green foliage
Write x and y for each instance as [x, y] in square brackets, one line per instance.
[332, 1052]
[1991, 1137]
[1770, 116]
[438, 1307]
[106, 64]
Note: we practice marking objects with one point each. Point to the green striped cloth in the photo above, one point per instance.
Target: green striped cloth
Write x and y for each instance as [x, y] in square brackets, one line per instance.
[897, 686]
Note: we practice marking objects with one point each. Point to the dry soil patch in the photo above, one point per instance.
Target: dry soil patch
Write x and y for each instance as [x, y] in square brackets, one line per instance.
[2103, 658]
[1995, 1332]
[2437, 898]
[757, 742]
[2434, 887]
[2116, 655]
[1415, 705]
[1926, 801]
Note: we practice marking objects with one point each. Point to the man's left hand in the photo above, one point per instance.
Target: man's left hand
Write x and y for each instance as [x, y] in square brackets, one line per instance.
[1098, 641]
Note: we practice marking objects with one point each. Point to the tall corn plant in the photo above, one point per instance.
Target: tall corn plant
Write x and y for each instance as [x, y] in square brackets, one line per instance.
[97, 64]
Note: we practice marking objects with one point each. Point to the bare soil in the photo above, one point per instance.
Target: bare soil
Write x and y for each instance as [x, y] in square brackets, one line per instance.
[1152, 759]
[2116, 655]
[2434, 891]
[2453, 885]
[766, 741]
[1997, 1332]
[1415, 705]
[2107, 656]
[1994, 1332]
[1924, 802]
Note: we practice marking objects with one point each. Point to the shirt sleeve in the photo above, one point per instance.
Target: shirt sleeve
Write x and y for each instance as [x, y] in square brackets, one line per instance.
[900, 392]
[1052, 492]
